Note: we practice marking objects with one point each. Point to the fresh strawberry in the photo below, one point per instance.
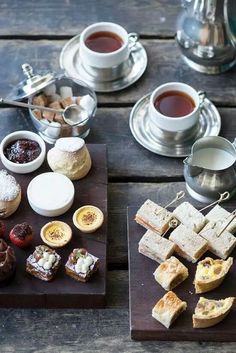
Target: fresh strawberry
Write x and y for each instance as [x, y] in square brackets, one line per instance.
[2, 229]
[21, 235]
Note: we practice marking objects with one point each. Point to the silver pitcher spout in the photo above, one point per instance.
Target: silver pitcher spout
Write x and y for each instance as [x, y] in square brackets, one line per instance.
[191, 170]
[206, 34]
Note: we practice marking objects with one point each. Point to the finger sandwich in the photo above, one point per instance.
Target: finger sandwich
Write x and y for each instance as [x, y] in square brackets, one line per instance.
[221, 217]
[190, 216]
[156, 247]
[221, 245]
[189, 244]
[154, 217]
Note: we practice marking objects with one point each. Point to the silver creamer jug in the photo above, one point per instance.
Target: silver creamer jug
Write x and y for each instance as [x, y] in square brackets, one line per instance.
[206, 34]
[211, 169]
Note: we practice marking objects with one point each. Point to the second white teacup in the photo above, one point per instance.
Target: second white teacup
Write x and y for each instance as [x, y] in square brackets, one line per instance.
[103, 60]
[174, 123]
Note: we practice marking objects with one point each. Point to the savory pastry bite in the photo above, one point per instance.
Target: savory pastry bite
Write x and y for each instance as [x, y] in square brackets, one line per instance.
[221, 245]
[168, 308]
[7, 263]
[56, 234]
[81, 265]
[211, 273]
[10, 194]
[221, 217]
[70, 157]
[170, 273]
[210, 312]
[190, 216]
[43, 263]
[88, 218]
[155, 247]
[188, 243]
[154, 217]
[2, 229]
[22, 235]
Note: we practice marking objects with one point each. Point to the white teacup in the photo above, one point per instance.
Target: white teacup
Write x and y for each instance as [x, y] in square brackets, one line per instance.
[106, 60]
[174, 124]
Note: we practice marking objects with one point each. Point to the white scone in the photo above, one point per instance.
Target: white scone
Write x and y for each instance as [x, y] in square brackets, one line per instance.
[188, 243]
[210, 312]
[170, 273]
[190, 216]
[10, 194]
[221, 217]
[210, 274]
[168, 308]
[70, 157]
[222, 245]
[155, 247]
[154, 217]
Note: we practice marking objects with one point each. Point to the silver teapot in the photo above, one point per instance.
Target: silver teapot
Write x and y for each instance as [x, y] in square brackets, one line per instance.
[211, 169]
[206, 34]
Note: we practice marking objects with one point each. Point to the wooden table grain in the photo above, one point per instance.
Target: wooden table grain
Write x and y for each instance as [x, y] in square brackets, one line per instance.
[35, 32]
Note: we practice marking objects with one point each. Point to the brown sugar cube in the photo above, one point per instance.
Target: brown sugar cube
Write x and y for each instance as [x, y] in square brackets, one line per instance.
[77, 101]
[38, 114]
[48, 115]
[59, 119]
[55, 105]
[41, 100]
[66, 101]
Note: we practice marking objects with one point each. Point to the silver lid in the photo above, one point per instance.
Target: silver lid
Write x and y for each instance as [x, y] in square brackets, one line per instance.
[31, 84]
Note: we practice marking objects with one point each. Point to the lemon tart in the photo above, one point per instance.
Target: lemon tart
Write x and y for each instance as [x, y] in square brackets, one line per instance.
[56, 234]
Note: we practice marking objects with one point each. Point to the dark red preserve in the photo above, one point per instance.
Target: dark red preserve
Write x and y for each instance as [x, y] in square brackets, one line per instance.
[22, 151]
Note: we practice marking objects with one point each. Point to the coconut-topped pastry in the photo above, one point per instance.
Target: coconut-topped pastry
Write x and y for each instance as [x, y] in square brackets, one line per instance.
[7, 262]
[70, 157]
[10, 194]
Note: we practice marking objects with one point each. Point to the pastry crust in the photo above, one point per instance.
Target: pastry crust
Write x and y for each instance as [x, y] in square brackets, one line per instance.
[168, 308]
[170, 273]
[155, 247]
[154, 217]
[7, 208]
[210, 312]
[211, 273]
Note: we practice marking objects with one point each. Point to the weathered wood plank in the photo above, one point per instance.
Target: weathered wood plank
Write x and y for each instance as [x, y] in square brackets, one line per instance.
[62, 17]
[165, 64]
[87, 331]
[126, 158]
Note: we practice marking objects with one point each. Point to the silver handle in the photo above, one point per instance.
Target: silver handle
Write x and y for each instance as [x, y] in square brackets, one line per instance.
[26, 105]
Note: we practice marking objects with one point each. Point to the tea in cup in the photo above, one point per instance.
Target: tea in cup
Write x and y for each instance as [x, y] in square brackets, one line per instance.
[174, 106]
[105, 45]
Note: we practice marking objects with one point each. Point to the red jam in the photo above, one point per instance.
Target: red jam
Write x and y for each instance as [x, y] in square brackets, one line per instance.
[22, 151]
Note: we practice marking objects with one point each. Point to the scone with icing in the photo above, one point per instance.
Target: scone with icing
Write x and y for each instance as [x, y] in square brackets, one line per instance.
[10, 194]
[70, 157]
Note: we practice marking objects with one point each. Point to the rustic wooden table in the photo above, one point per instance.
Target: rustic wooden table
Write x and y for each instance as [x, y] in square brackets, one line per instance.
[35, 32]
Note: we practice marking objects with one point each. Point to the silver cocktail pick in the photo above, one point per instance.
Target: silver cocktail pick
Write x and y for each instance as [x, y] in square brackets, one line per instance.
[223, 197]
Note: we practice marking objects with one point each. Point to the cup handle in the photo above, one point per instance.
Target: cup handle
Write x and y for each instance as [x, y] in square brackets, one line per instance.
[202, 96]
[234, 143]
[132, 39]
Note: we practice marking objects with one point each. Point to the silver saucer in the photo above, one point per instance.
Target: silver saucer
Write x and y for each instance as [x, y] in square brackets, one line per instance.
[70, 62]
[164, 145]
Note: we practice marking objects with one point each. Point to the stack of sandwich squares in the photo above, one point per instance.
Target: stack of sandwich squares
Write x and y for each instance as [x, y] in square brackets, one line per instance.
[194, 235]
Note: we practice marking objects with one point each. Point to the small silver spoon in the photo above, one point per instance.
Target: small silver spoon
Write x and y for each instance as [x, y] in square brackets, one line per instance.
[72, 115]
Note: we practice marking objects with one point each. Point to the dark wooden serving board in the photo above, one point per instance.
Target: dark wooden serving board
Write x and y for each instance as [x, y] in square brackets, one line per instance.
[144, 292]
[25, 291]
